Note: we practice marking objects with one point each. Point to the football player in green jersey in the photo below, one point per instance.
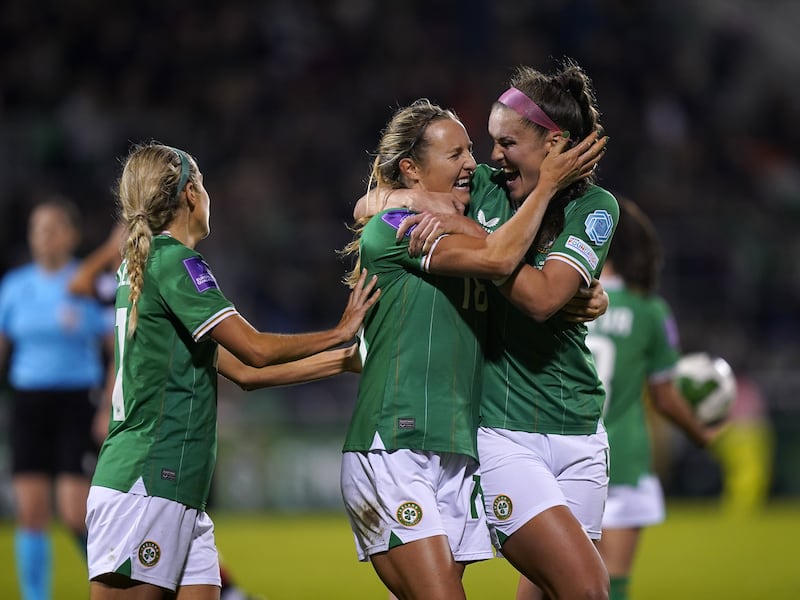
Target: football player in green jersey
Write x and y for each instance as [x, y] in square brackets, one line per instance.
[94, 277]
[149, 535]
[410, 478]
[635, 348]
[542, 446]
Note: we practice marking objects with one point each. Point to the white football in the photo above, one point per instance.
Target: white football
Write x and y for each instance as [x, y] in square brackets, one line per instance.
[708, 383]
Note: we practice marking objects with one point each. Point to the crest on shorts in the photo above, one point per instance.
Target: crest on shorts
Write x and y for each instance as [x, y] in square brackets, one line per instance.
[502, 507]
[409, 514]
[149, 554]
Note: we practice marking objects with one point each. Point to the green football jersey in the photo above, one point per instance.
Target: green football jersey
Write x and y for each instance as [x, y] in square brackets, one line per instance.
[540, 377]
[635, 342]
[163, 431]
[422, 351]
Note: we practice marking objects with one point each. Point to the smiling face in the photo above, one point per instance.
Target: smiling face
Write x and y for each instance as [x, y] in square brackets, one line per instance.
[519, 149]
[446, 164]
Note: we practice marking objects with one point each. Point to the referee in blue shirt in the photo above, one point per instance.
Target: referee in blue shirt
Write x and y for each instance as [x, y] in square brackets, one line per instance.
[52, 345]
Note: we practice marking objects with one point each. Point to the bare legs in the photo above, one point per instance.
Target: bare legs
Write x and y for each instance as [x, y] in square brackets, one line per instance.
[553, 550]
[423, 569]
[618, 549]
[32, 494]
[118, 587]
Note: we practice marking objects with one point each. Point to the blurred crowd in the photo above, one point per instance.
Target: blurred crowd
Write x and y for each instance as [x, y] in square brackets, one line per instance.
[282, 101]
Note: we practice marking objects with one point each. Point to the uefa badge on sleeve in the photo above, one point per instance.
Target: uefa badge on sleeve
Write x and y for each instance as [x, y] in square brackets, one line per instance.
[599, 226]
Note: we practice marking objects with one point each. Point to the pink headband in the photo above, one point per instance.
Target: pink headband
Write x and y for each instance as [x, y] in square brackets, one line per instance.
[520, 103]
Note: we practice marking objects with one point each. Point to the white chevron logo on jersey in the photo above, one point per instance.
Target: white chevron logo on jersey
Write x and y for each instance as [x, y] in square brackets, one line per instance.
[487, 224]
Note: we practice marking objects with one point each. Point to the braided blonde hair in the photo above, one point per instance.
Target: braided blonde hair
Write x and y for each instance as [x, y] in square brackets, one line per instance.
[152, 180]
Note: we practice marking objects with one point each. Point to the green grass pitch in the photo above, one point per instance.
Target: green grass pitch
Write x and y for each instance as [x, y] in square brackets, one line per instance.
[697, 554]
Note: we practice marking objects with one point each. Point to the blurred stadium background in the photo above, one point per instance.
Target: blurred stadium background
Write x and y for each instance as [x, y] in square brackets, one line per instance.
[282, 100]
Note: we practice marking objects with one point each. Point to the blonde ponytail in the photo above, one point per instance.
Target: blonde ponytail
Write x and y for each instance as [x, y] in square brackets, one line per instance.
[152, 180]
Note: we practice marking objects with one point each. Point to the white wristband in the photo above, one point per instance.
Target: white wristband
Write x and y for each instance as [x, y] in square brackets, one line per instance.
[426, 259]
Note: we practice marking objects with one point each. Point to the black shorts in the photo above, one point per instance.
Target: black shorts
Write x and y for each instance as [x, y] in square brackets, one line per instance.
[51, 432]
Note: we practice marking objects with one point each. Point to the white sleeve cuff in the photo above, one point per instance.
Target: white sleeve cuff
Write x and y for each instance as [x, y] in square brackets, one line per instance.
[426, 259]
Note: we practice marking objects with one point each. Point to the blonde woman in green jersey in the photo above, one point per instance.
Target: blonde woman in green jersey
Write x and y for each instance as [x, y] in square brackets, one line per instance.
[149, 536]
[635, 347]
[410, 478]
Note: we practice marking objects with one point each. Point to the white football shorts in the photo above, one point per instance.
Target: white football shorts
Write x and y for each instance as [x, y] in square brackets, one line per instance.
[397, 497]
[637, 505]
[150, 539]
[524, 474]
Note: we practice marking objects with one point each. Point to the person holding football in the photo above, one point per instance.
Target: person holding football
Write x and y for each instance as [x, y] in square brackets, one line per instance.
[635, 347]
